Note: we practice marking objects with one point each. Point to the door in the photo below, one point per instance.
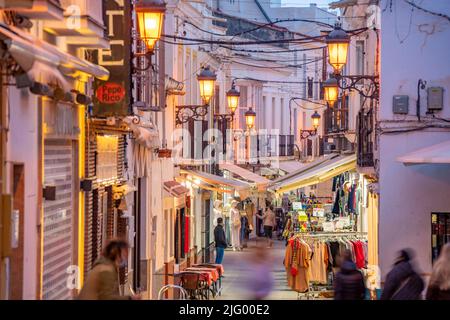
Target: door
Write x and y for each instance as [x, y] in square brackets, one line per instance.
[58, 222]
[207, 235]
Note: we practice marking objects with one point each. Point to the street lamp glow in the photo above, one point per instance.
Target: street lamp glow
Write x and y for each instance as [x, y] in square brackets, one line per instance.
[150, 16]
[250, 117]
[330, 91]
[233, 99]
[207, 80]
[337, 42]
[316, 120]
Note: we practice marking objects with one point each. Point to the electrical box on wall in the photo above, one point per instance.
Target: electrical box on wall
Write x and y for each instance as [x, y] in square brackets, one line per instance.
[435, 99]
[400, 104]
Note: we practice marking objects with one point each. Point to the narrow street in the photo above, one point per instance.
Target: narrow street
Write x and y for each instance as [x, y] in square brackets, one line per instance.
[238, 269]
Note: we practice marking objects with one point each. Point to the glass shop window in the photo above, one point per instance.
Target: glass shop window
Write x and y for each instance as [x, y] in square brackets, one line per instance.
[440, 233]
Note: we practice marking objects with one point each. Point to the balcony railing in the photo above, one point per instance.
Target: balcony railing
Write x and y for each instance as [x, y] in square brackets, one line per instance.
[365, 138]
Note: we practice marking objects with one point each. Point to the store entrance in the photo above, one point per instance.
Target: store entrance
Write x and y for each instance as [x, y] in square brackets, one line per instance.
[440, 233]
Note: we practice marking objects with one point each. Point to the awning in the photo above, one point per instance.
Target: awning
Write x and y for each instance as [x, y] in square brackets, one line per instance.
[219, 183]
[317, 174]
[29, 51]
[290, 166]
[261, 182]
[438, 153]
[175, 189]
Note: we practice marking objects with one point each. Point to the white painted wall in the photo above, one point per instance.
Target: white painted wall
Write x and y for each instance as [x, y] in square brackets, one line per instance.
[22, 145]
[408, 195]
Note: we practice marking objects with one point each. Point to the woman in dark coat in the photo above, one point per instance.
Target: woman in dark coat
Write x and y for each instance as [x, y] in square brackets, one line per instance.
[403, 282]
[349, 282]
[439, 286]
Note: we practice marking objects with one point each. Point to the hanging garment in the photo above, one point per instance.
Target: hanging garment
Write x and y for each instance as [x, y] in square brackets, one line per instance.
[334, 248]
[351, 199]
[228, 230]
[337, 199]
[297, 263]
[335, 183]
[359, 253]
[318, 264]
[235, 219]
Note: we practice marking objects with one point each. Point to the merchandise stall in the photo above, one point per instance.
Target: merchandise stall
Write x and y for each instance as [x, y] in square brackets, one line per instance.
[325, 218]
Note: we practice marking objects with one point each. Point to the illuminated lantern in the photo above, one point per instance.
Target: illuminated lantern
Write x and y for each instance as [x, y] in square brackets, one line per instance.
[330, 91]
[207, 80]
[337, 42]
[250, 117]
[233, 99]
[315, 120]
[150, 16]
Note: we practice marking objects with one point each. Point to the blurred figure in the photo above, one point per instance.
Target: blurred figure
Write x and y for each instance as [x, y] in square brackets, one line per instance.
[403, 282]
[349, 282]
[439, 286]
[103, 280]
[269, 223]
[220, 240]
[260, 277]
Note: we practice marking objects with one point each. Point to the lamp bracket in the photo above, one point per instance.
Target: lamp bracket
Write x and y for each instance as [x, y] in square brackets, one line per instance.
[184, 114]
[305, 134]
[351, 83]
[224, 117]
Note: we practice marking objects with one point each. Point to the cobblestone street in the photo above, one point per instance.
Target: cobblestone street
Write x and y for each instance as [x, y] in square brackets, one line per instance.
[238, 269]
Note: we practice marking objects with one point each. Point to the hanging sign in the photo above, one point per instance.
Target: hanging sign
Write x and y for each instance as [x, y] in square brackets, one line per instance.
[297, 205]
[112, 97]
[318, 212]
[328, 226]
[302, 216]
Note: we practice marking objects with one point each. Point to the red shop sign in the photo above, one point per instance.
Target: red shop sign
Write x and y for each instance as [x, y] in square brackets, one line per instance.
[110, 93]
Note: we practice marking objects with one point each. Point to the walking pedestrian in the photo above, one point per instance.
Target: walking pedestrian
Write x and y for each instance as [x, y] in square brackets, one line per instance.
[403, 282]
[439, 286]
[349, 281]
[269, 223]
[260, 280]
[220, 240]
[103, 280]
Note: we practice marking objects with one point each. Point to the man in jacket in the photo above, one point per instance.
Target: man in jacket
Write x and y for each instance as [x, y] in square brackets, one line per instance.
[103, 280]
[220, 240]
[402, 282]
[349, 282]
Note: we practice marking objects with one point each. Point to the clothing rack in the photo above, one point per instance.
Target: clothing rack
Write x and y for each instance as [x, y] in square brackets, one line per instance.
[314, 287]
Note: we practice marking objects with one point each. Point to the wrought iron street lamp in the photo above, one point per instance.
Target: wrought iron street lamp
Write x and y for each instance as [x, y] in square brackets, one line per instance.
[250, 117]
[330, 91]
[183, 114]
[233, 98]
[206, 80]
[305, 134]
[150, 16]
[337, 43]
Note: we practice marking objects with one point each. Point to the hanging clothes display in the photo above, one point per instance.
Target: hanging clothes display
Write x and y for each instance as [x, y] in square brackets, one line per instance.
[296, 262]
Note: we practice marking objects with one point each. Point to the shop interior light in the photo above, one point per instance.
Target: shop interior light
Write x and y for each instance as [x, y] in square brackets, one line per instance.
[206, 80]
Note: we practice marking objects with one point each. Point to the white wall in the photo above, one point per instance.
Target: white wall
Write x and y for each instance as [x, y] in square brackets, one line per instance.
[23, 144]
[408, 195]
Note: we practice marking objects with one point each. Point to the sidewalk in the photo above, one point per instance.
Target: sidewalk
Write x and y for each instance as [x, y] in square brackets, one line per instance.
[237, 271]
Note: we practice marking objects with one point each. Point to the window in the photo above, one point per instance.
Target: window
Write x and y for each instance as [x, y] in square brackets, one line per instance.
[264, 114]
[284, 124]
[360, 57]
[242, 106]
[440, 233]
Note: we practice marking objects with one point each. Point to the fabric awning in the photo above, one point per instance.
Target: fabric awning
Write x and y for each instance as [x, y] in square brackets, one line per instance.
[317, 174]
[175, 189]
[219, 183]
[438, 153]
[28, 52]
[290, 166]
[261, 182]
